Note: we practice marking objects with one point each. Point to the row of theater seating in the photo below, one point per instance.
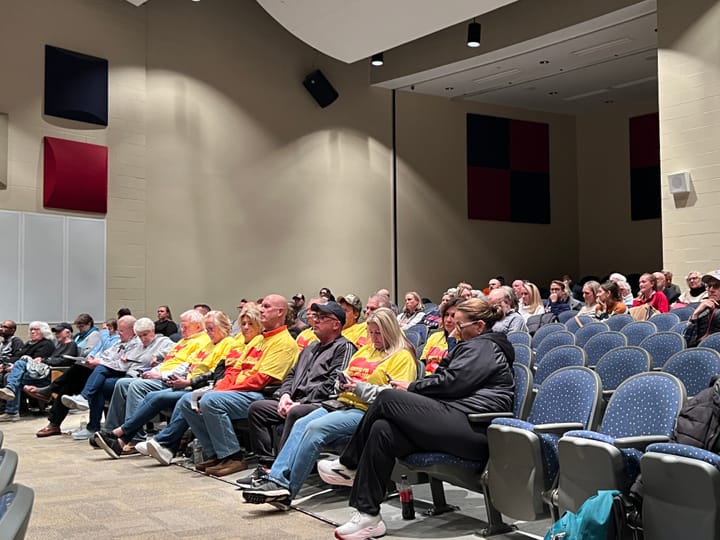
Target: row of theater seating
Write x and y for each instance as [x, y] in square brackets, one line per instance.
[16, 500]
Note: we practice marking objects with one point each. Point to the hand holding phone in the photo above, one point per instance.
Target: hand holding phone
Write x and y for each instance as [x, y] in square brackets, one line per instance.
[342, 378]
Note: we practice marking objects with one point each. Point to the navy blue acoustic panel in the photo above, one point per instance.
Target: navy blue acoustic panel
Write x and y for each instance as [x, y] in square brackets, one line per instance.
[76, 86]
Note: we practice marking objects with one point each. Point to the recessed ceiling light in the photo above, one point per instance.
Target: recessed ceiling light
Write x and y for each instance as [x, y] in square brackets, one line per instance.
[448, 88]
[609, 101]
[544, 61]
[553, 93]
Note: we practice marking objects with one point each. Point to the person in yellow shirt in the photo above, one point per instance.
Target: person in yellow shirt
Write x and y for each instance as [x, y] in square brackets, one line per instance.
[354, 330]
[388, 356]
[440, 343]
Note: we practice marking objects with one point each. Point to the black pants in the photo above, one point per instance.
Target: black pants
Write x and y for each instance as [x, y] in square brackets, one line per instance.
[398, 424]
[69, 383]
[263, 419]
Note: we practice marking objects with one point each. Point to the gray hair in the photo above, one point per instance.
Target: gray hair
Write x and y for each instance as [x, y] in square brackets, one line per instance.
[143, 324]
[43, 327]
[194, 316]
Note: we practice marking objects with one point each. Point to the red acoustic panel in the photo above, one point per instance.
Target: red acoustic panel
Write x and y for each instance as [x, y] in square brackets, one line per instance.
[75, 175]
[529, 146]
[488, 193]
[645, 141]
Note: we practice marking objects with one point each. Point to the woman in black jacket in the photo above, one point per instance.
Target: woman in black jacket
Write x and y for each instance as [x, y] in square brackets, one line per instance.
[428, 415]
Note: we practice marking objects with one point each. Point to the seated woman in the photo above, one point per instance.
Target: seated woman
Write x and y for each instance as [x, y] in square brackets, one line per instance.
[88, 335]
[441, 342]
[217, 325]
[39, 345]
[429, 415]
[589, 292]
[413, 313]
[530, 302]
[649, 295]
[165, 443]
[610, 301]
[696, 291]
[27, 371]
[389, 356]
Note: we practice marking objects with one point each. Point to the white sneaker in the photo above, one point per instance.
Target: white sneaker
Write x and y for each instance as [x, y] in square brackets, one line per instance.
[7, 394]
[81, 434]
[335, 473]
[159, 452]
[360, 527]
[75, 402]
[142, 448]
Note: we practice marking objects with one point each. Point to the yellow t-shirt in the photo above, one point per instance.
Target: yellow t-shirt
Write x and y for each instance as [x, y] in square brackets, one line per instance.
[184, 351]
[371, 366]
[357, 334]
[305, 338]
[209, 357]
[435, 350]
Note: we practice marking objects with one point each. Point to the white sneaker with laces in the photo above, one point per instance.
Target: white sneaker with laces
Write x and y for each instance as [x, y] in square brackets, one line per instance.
[159, 452]
[335, 473]
[75, 402]
[360, 527]
[142, 448]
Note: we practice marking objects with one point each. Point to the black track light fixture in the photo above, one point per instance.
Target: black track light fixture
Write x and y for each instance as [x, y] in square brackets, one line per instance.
[377, 59]
[473, 38]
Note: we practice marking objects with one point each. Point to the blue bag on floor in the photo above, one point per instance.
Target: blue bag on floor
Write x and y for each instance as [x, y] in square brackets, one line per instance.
[590, 523]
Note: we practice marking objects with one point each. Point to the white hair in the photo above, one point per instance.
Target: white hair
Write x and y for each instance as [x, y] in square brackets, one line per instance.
[43, 327]
[143, 324]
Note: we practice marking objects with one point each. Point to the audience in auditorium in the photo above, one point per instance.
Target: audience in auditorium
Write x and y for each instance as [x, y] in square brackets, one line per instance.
[39, 344]
[388, 357]
[512, 321]
[88, 335]
[413, 311]
[696, 289]
[309, 382]
[661, 287]
[625, 289]
[589, 294]
[428, 415]
[164, 325]
[560, 298]
[202, 308]
[439, 344]
[307, 336]
[672, 288]
[609, 301]
[29, 370]
[648, 294]
[327, 295]
[10, 345]
[530, 302]
[108, 338]
[353, 330]
[705, 320]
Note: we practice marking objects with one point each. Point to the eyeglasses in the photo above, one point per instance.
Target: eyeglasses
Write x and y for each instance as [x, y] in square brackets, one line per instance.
[555, 289]
[323, 317]
[693, 278]
[461, 325]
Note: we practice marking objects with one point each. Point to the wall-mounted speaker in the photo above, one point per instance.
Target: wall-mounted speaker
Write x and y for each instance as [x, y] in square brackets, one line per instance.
[320, 88]
[679, 183]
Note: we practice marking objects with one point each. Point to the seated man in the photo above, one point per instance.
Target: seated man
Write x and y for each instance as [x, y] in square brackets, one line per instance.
[11, 344]
[307, 336]
[513, 321]
[310, 382]
[705, 320]
[353, 330]
[264, 364]
[112, 361]
[217, 325]
[147, 350]
[129, 392]
[559, 299]
[36, 370]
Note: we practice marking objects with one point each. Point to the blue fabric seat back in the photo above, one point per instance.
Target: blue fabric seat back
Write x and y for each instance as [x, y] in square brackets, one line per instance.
[570, 394]
[565, 316]
[556, 339]
[711, 342]
[636, 331]
[683, 313]
[694, 367]
[572, 324]
[679, 328]
[597, 346]
[645, 404]
[522, 338]
[523, 355]
[545, 331]
[523, 390]
[662, 346]
[558, 358]
[664, 321]
[616, 322]
[589, 330]
[417, 334]
[620, 364]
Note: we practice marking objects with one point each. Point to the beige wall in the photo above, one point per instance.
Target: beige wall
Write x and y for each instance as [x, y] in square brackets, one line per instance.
[689, 74]
[608, 240]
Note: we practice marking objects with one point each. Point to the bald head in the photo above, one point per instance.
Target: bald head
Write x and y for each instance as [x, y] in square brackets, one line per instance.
[273, 311]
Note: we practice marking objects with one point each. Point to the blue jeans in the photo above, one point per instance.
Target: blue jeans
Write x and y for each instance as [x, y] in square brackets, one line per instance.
[176, 427]
[308, 437]
[101, 383]
[116, 411]
[213, 425]
[138, 389]
[153, 403]
[17, 378]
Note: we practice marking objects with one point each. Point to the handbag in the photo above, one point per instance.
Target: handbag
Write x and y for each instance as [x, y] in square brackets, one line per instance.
[643, 312]
[37, 370]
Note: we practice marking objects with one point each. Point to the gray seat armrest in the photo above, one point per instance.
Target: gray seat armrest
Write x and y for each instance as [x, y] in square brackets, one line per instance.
[640, 442]
[558, 429]
[486, 418]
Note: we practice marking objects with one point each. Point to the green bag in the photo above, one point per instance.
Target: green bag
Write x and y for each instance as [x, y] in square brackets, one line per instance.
[590, 523]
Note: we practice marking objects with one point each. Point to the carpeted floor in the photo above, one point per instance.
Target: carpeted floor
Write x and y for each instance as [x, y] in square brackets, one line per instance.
[81, 493]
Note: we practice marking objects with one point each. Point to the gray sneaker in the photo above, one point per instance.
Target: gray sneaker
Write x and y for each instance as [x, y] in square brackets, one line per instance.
[7, 394]
[159, 452]
[75, 402]
[5, 417]
[81, 434]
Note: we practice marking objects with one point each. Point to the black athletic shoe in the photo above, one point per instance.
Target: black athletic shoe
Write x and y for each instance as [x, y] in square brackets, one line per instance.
[109, 443]
[258, 476]
[269, 492]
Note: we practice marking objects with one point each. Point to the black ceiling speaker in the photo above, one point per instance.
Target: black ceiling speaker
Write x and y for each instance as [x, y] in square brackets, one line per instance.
[320, 88]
